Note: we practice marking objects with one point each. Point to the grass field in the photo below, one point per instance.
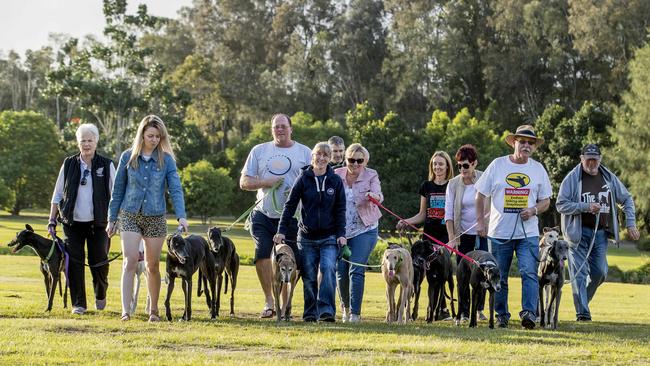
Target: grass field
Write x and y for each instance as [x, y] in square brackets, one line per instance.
[618, 334]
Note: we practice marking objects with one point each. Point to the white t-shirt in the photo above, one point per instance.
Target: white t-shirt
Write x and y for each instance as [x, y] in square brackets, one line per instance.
[267, 160]
[512, 188]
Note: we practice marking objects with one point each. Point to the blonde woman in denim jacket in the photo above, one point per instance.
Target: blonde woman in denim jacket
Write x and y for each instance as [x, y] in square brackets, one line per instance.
[362, 222]
[138, 201]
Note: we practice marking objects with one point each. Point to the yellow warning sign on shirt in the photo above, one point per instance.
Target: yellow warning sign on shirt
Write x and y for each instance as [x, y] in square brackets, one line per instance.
[515, 200]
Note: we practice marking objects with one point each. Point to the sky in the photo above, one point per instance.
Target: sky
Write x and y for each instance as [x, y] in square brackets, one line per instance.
[26, 24]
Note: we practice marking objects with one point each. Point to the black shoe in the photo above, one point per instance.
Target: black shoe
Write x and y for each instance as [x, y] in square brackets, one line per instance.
[326, 318]
[583, 318]
[528, 320]
[444, 314]
[502, 322]
[309, 320]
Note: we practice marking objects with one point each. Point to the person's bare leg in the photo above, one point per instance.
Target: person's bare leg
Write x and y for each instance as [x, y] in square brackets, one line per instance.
[152, 249]
[130, 251]
[265, 276]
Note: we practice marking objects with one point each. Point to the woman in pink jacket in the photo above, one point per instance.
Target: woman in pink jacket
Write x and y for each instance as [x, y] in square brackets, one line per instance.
[362, 221]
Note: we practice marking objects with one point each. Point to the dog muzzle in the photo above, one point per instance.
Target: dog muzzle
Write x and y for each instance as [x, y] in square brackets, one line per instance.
[391, 273]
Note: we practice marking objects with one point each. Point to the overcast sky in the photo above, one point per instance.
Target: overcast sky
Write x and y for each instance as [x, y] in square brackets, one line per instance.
[27, 23]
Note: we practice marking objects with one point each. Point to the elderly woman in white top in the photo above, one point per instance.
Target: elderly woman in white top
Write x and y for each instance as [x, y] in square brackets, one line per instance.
[80, 203]
[460, 213]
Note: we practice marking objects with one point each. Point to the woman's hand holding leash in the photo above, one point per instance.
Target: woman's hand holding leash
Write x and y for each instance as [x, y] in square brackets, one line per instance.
[111, 229]
[633, 232]
[342, 241]
[51, 228]
[183, 222]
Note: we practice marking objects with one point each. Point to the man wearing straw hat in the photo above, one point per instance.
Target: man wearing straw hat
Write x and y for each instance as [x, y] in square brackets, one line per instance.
[520, 190]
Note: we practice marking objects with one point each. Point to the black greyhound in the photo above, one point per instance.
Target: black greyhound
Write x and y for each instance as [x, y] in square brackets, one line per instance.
[184, 257]
[226, 259]
[551, 278]
[435, 265]
[479, 277]
[52, 261]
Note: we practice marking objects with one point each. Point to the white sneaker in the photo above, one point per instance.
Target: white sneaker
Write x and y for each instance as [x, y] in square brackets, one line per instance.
[345, 314]
[354, 318]
[78, 310]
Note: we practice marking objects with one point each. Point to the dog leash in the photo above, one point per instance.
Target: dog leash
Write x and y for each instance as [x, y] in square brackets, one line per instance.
[248, 211]
[591, 246]
[471, 260]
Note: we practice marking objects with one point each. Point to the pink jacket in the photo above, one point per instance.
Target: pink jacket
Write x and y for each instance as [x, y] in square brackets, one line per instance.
[367, 181]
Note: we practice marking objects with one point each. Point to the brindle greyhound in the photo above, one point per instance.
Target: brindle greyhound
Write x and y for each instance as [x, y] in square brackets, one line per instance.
[52, 260]
[184, 257]
[285, 271]
[226, 259]
[550, 272]
[435, 265]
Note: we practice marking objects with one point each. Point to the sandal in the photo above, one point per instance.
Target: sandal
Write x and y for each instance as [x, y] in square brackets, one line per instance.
[125, 317]
[267, 313]
[154, 317]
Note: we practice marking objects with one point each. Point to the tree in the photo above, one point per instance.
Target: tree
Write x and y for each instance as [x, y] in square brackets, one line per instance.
[6, 195]
[31, 157]
[631, 137]
[208, 190]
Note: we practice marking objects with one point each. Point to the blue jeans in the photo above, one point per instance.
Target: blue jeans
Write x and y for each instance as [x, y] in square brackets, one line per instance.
[351, 278]
[592, 274]
[319, 302]
[527, 255]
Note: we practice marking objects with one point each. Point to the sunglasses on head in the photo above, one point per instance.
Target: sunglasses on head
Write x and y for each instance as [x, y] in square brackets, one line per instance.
[84, 179]
[462, 166]
[358, 161]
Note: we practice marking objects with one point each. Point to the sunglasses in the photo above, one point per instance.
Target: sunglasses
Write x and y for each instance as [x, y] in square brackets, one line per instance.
[463, 166]
[358, 161]
[529, 142]
[84, 179]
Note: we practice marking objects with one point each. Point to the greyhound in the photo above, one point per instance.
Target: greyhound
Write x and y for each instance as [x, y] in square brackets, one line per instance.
[285, 271]
[184, 257]
[550, 272]
[435, 265]
[226, 258]
[397, 269]
[52, 260]
[481, 277]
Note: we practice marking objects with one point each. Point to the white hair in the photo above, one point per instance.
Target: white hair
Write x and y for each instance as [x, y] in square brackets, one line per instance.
[87, 127]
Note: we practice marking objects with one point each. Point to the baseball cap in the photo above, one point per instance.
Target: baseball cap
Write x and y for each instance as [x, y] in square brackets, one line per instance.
[591, 150]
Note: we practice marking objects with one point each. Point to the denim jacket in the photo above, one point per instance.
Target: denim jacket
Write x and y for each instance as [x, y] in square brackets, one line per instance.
[569, 205]
[143, 189]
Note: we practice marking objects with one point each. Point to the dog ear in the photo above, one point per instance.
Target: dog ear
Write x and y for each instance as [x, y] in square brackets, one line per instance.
[558, 229]
[547, 229]
[29, 227]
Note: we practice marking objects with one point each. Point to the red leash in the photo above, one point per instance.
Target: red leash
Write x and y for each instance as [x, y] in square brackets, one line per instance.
[425, 234]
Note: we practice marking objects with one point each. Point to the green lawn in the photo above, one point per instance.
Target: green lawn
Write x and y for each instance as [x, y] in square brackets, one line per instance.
[618, 334]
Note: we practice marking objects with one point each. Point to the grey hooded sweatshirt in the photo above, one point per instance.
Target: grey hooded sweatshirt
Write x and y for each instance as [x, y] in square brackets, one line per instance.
[570, 207]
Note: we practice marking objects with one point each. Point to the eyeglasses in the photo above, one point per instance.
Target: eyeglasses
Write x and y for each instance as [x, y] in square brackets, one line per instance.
[529, 142]
[463, 166]
[358, 161]
[84, 178]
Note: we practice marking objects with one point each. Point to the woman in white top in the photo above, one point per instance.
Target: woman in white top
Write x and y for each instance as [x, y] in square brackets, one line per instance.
[80, 203]
[460, 212]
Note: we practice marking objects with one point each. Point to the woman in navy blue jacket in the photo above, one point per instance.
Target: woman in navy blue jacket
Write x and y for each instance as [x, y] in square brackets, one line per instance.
[321, 228]
[145, 172]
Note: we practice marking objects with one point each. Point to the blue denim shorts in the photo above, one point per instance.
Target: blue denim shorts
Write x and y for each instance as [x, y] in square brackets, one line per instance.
[262, 230]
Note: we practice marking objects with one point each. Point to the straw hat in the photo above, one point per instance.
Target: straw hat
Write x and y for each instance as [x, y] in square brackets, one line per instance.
[527, 131]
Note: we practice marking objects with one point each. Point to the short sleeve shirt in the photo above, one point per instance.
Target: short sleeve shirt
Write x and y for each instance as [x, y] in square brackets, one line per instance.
[512, 188]
[268, 160]
[434, 221]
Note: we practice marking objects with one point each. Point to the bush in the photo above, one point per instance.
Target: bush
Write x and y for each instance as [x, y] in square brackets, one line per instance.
[207, 190]
[643, 244]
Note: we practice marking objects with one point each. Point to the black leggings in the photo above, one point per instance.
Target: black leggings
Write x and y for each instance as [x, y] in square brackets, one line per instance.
[78, 234]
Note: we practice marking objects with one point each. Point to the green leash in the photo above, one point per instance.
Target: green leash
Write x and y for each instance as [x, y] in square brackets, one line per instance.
[248, 211]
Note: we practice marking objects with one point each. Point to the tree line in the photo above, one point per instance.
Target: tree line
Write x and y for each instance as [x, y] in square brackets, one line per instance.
[405, 78]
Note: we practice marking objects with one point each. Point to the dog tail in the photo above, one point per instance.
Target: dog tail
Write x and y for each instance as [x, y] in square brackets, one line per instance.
[199, 290]
[225, 291]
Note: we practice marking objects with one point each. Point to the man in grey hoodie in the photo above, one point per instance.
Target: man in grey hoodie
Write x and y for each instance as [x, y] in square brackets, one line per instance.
[586, 201]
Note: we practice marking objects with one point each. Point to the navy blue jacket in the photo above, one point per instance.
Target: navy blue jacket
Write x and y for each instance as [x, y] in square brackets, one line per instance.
[323, 205]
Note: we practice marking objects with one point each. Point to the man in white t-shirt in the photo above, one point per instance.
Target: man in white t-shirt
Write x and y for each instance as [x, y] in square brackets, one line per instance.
[272, 163]
[520, 190]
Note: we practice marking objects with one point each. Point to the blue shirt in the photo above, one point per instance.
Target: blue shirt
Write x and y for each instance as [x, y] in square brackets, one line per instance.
[143, 189]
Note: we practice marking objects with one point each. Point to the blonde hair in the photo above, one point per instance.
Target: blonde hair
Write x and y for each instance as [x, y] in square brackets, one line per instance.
[322, 146]
[355, 148]
[450, 168]
[164, 146]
